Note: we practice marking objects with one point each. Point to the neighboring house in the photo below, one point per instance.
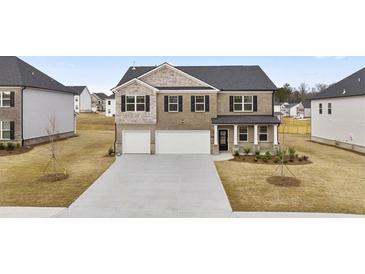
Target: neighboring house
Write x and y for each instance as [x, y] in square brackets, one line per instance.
[82, 98]
[98, 101]
[295, 110]
[307, 108]
[338, 113]
[29, 100]
[110, 106]
[195, 110]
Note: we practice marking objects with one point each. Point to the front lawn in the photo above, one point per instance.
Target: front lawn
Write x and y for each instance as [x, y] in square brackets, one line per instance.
[333, 183]
[84, 157]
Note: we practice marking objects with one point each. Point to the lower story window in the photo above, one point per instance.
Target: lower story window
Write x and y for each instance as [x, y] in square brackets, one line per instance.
[5, 130]
[263, 135]
[243, 134]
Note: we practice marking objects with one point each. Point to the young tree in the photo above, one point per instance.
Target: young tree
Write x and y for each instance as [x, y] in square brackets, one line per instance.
[303, 90]
[282, 95]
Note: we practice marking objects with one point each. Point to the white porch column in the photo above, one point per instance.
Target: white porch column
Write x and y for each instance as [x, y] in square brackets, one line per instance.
[235, 133]
[215, 134]
[255, 140]
[275, 135]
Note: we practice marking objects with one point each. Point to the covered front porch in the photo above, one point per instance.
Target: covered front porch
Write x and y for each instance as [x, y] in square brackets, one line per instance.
[235, 133]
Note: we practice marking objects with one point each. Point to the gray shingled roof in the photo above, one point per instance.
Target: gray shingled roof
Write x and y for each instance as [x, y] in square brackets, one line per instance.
[306, 103]
[16, 72]
[101, 95]
[353, 85]
[221, 77]
[77, 89]
[245, 119]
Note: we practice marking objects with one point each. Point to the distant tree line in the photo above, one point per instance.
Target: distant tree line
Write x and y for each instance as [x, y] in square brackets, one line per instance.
[291, 94]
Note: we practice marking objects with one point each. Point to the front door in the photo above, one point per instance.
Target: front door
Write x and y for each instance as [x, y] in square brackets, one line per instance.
[223, 139]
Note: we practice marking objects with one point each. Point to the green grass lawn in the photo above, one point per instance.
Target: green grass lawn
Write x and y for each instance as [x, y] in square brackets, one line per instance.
[84, 157]
[333, 183]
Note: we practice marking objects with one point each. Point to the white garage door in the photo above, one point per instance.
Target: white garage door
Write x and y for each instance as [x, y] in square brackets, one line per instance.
[183, 141]
[136, 141]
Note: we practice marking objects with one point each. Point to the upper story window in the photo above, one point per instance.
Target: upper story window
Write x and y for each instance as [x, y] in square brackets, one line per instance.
[199, 103]
[242, 103]
[173, 103]
[5, 99]
[135, 103]
[263, 134]
[5, 130]
[320, 108]
[329, 108]
[243, 134]
[109, 102]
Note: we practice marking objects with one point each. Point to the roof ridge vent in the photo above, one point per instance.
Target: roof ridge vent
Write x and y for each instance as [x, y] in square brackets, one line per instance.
[134, 65]
[344, 91]
[359, 79]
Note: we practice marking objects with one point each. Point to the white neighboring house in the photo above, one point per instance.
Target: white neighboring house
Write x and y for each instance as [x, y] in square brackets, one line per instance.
[281, 107]
[295, 110]
[82, 98]
[338, 113]
[307, 108]
[110, 106]
[29, 101]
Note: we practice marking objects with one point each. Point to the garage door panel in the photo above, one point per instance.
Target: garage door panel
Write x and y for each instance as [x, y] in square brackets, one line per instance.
[183, 142]
[136, 141]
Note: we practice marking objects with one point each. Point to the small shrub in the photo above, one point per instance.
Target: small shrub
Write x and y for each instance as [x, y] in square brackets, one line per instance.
[297, 156]
[110, 151]
[268, 155]
[257, 153]
[300, 159]
[285, 161]
[291, 154]
[2, 146]
[276, 160]
[17, 146]
[236, 154]
[305, 157]
[265, 159]
[256, 159]
[10, 146]
[247, 150]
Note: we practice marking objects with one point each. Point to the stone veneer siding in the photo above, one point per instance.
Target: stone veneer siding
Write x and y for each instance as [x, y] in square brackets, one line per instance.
[13, 113]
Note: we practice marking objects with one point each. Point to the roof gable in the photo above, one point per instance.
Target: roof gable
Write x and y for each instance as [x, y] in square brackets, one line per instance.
[78, 89]
[228, 78]
[16, 72]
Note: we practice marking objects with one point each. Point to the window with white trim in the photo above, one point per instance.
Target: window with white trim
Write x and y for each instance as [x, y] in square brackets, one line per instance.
[329, 108]
[243, 134]
[173, 103]
[135, 103]
[199, 103]
[320, 108]
[4, 130]
[5, 99]
[263, 134]
[109, 102]
[243, 103]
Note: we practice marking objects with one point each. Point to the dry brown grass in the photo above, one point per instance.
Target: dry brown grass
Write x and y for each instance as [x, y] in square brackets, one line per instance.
[84, 157]
[94, 121]
[334, 183]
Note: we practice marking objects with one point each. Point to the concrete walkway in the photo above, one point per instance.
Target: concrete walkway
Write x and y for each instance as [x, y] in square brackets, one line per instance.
[155, 186]
[29, 212]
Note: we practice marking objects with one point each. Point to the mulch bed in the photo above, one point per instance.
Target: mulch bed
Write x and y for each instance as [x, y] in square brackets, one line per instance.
[284, 181]
[53, 177]
[251, 159]
[16, 151]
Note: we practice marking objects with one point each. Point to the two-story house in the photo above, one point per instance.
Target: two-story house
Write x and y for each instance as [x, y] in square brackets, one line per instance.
[195, 110]
[82, 98]
[98, 101]
[30, 101]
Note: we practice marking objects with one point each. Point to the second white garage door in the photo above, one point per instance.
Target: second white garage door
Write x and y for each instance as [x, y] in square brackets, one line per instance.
[182, 142]
[136, 141]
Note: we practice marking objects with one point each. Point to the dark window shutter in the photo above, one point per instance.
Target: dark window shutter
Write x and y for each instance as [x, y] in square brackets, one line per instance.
[12, 131]
[123, 103]
[166, 103]
[147, 103]
[192, 103]
[180, 103]
[206, 103]
[231, 103]
[12, 98]
[255, 103]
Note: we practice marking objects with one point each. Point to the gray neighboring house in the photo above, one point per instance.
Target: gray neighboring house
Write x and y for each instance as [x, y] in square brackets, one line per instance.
[29, 99]
[98, 101]
[82, 98]
[169, 109]
[307, 108]
[338, 113]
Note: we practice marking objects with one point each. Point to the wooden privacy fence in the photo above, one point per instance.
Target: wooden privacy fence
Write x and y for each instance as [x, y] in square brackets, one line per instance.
[295, 126]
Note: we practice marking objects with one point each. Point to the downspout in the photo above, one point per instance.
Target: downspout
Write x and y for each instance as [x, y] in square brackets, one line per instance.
[21, 115]
[115, 138]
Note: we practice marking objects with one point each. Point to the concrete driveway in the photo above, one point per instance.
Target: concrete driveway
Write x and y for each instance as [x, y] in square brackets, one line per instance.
[155, 186]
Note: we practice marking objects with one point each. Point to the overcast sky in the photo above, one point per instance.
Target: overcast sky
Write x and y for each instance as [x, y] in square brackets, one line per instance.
[101, 74]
